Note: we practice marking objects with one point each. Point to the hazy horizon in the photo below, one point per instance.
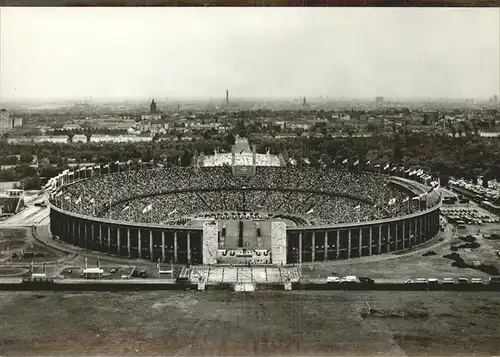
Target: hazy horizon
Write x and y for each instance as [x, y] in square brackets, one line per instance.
[257, 53]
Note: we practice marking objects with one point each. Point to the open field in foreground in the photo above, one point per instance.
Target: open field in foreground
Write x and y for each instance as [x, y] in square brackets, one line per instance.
[258, 324]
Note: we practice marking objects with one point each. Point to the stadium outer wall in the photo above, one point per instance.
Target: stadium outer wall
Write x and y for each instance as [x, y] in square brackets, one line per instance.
[185, 244]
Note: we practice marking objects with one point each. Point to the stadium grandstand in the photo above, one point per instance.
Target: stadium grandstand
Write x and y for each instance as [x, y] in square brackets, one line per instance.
[240, 212]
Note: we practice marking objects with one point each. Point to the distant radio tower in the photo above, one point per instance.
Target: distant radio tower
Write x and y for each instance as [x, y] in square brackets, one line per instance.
[227, 96]
[304, 103]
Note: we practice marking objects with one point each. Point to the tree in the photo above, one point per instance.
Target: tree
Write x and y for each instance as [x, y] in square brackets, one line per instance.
[230, 139]
[186, 158]
[70, 135]
[26, 158]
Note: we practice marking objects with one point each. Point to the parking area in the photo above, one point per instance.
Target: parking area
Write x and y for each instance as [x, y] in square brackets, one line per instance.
[468, 215]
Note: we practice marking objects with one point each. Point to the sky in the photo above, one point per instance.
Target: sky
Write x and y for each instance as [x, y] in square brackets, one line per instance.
[76, 53]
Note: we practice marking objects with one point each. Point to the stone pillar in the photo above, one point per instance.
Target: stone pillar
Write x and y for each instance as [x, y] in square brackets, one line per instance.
[151, 244]
[404, 233]
[100, 236]
[109, 238]
[188, 243]
[426, 235]
[278, 243]
[300, 247]
[73, 229]
[139, 243]
[337, 245]
[86, 236]
[313, 252]
[326, 246]
[349, 243]
[176, 258]
[370, 237]
[163, 255]
[129, 248]
[118, 243]
[379, 239]
[360, 242]
[396, 233]
[421, 227]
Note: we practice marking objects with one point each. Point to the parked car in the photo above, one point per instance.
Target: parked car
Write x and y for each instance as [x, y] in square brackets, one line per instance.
[409, 281]
[433, 281]
[366, 280]
[333, 279]
[494, 280]
[421, 281]
[463, 281]
[448, 281]
[350, 279]
[476, 281]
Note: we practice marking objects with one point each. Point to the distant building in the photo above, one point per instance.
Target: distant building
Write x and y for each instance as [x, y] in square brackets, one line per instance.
[469, 102]
[495, 100]
[17, 122]
[379, 101]
[152, 107]
[6, 123]
[72, 127]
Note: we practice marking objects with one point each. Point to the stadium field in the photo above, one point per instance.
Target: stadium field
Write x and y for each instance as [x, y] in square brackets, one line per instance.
[257, 324]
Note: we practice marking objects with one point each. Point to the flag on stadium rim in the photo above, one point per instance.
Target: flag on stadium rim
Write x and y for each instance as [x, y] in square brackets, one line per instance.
[386, 167]
[126, 208]
[71, 173]
[147, 208]
[82, 168]
[392, 201]
[356, 162]
[173, 211]
[368, 162]
[306, 160]
[310, 211]
[105, 166]
[394, 168]
[345, 161]
[376, 165]
[402, 168]
[407, 171]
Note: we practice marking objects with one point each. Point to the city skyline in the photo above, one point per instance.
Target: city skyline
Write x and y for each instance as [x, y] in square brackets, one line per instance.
[345, 53]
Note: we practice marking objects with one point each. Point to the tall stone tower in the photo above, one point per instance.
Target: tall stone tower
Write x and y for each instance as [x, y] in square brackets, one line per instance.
[152, 107]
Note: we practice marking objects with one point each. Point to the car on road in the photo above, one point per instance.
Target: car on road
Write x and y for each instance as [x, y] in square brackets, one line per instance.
[333, 279]
[463, 280]
[494, 280]
[448, 281]
[433, 281]
[409, 281]
[366, 280]
[476, 281]
[349, 279]
[421, 281]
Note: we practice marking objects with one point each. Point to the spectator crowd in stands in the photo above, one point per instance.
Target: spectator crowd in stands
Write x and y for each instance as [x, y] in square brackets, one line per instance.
[167, 196]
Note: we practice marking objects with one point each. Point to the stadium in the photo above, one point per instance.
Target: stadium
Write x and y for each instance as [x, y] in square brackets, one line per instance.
[240, 208]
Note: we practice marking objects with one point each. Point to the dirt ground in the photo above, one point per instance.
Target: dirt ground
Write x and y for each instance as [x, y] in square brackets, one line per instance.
[262, 323]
